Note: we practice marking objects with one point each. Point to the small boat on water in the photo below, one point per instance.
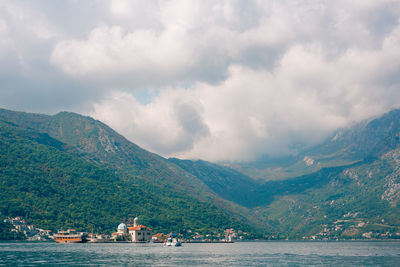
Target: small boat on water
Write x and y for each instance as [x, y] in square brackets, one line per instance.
[69, 236]
[172, 242]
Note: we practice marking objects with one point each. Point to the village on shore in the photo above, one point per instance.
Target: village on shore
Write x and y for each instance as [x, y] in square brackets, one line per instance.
[126, 232]
[137, 233]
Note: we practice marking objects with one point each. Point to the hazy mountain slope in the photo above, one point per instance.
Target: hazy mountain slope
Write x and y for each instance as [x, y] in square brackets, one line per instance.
[265, 167]
[370, 138]
[53, 188]
[226, 182]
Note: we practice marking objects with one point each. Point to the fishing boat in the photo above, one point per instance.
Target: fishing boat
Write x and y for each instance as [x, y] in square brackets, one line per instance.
[69, 236]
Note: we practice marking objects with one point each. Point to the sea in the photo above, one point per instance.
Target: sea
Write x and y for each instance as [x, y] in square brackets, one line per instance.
[273, 253]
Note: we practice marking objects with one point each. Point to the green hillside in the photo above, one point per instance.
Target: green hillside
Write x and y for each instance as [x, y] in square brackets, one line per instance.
[340, 202]
[94, 141]
[345, 187]
[333, 202]
[226, 182]
[51, 187]
[68, 170]
[98, 143]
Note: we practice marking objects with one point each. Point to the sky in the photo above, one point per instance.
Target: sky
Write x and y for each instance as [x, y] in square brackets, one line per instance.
[213, 80]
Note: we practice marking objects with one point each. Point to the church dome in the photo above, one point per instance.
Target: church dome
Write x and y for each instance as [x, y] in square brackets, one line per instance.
[122, 226]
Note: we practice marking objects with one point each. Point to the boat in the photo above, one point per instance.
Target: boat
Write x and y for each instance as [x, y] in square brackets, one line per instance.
[172, 242]
[69, 236]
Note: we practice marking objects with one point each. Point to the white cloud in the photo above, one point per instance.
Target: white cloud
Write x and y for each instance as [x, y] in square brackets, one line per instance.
[304, 98]
[234, 79]
[187, 41]
[112, 52]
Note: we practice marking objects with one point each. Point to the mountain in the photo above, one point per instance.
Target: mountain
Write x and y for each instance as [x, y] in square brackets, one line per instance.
[100, 144]
[346, 187]
[96, 142]
[337, 202]
[225, 182]
[67, 182]
[370, 138]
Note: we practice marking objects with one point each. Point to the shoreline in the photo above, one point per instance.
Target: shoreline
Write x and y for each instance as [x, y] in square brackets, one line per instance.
[212, 242]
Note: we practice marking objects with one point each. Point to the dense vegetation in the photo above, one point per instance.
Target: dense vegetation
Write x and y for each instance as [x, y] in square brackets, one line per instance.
[69, 170]
[96, 142]
[225, 182]
[53, 188]
[353, 196]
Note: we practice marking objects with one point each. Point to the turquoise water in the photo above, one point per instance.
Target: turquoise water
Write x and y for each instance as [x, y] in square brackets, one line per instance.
[236, 254]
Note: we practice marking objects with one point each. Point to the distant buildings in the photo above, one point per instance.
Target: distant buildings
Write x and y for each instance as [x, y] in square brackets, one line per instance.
[29, 231]
[135, 233]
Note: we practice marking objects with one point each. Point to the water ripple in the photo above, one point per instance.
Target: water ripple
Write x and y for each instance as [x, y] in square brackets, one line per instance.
[237, 254]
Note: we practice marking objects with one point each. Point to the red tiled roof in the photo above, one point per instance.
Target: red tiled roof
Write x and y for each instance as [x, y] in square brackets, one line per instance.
[158, 235]
[138, 228]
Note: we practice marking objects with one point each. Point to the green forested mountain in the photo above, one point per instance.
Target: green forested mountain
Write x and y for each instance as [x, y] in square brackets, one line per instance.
[94, 141]
[52, 187]
[226, 182]
[347, 186]
[347, 201]
[68, 170]
[98, 143]
[333, 202]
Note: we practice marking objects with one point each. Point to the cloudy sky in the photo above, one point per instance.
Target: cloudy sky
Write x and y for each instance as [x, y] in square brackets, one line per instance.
[216, 80]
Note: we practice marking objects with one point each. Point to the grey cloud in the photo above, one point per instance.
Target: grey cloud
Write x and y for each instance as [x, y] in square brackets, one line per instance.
[236, 79]
[190, 120]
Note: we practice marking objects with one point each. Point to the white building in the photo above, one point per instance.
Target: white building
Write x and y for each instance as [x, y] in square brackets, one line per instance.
[139, 233]
[135, 233]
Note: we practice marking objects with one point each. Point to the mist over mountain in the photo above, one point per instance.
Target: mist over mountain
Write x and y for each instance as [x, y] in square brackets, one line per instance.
[369, 138]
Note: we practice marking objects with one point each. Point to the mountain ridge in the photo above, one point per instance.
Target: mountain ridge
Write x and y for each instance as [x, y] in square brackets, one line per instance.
[354, 177]
[91, 140]
[53, 188]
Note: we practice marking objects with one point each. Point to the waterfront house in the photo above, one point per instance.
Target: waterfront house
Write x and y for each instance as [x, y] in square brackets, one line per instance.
[135, 233]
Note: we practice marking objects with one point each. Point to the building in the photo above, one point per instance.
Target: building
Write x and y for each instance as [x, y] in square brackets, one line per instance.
[29, 231]
[159, 238]
[122, 229]
[139, 233]
[135, 233]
